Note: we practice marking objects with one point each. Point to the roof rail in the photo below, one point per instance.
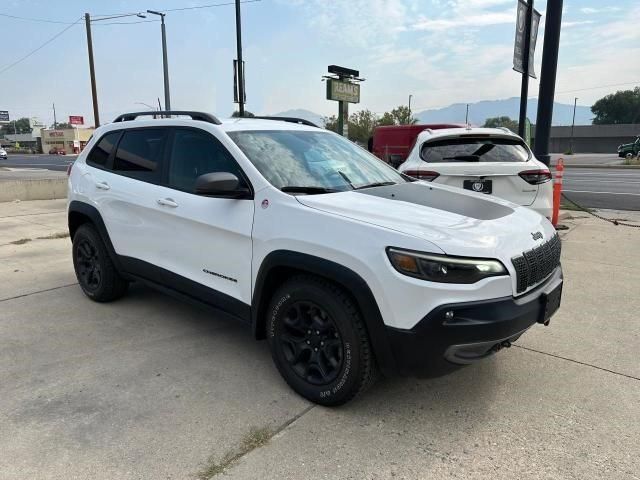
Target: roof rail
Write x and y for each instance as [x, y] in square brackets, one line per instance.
[202, 116]
[300, 121]
[504, 129]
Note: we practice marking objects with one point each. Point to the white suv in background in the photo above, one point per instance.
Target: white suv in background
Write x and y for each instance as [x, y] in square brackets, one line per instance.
[345, 265]
[493, 161]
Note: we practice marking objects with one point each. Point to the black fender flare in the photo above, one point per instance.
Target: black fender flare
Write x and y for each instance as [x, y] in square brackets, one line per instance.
[92, 213]
[347, 278]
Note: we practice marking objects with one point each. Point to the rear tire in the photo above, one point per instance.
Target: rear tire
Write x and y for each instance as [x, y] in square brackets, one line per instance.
[97, 276]
[319, 342]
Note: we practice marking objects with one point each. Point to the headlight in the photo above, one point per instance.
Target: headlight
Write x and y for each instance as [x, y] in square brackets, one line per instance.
[442, 268]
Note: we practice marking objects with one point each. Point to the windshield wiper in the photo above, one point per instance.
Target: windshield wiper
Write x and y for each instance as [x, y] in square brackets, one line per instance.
[307, 190]
[375, 184]
[464, 158]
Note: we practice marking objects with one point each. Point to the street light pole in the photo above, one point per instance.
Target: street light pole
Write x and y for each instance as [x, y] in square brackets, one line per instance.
[466, 118]
[92, 71]
[165, 63]
[410, 107]
[55, 121]
[573, 123]
[240, 64]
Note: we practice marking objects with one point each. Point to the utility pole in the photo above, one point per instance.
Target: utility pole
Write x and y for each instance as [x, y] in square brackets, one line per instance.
[55, 121]
[524, 89]
[92, 71]
[165, 63]
[410, 107]
[573, 123]
[548, 80]
[240, 64]
[466, 118]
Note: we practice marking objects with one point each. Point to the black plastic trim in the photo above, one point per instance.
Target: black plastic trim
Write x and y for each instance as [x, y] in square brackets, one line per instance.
[201, 116]
[354, 284]
[430, 346]
[184, 288]
[300, 121]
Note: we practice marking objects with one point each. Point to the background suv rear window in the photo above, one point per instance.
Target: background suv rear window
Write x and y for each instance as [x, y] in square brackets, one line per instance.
[474, 149]
[140, 152]
[100, 153]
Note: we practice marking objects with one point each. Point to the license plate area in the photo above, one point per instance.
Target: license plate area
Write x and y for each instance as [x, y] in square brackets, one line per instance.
[480, 186]
[550, 304]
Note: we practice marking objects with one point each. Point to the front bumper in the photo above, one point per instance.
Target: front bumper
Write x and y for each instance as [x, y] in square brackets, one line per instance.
[438, 345]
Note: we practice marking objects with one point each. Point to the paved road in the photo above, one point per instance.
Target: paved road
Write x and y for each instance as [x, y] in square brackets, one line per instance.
[618, 189]
[48, 162]
[588, 159]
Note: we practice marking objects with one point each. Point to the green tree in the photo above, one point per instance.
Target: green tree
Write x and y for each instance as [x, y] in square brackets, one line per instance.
[361, 125]
[386, 119]
[402, 116]
[21, 126]
[331, 123]
[503, 121]
[620, 107]
[247, 114]
[63, 125]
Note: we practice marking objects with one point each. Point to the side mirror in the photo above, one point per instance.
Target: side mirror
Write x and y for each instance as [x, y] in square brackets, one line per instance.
[220, 184]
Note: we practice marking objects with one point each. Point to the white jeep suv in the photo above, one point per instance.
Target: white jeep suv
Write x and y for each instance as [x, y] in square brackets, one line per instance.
[346, 266]
[493, 161]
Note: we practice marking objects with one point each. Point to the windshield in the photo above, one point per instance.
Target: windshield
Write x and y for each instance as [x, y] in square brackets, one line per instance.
[313, 160]
[474, 149]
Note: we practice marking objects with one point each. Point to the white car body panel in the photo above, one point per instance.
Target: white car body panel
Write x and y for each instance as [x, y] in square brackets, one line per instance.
[504, 175]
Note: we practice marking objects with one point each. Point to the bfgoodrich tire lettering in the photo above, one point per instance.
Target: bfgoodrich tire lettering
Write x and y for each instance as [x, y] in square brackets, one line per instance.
[94, 269]
[318, 341]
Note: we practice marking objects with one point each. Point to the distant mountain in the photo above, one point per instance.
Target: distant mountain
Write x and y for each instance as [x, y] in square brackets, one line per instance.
[480, 111]
[304, 114]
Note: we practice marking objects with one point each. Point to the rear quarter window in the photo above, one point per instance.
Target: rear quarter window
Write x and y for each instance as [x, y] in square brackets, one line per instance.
[99, 154]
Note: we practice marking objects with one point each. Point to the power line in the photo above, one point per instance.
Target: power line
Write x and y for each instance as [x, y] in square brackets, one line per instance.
[600, 86]
[43, 20]
[4, 69]
[210, 5]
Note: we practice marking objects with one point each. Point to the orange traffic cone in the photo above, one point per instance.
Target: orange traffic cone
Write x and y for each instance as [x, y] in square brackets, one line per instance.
[557, 190]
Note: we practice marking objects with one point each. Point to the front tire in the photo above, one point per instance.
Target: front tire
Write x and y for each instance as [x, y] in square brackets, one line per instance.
[96, 274]
[319, 342]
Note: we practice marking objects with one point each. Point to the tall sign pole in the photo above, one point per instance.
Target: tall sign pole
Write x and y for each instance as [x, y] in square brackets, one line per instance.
[92, 71]
[548, 80]
[343, 86]
[240, 66]
[527, 23]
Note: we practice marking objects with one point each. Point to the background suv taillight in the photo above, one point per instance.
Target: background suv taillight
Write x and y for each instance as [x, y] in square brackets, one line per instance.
[427, 175]
[535, 177]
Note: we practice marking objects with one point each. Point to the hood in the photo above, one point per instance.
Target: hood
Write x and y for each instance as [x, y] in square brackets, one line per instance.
[458, 222]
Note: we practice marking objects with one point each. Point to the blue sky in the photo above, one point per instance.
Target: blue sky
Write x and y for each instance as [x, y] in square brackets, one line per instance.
[440, 51]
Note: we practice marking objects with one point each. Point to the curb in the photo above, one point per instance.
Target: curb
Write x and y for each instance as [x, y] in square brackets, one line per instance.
[36, 189]
[582, 165]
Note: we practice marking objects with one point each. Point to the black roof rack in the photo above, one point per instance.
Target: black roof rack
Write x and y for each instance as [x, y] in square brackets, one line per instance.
[300, 121]
[202, 116]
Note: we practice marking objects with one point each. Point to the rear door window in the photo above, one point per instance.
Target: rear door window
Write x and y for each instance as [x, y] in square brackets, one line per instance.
[100, 153]
[474, 149]
[140, 154]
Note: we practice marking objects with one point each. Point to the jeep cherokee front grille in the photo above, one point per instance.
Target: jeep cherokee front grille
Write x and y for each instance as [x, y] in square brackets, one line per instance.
[534, 265]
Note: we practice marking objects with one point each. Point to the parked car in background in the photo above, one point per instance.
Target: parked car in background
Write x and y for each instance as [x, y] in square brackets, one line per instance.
[392, 143]
[632, 148]
[57, 151]
[491, 161]
[3, 154]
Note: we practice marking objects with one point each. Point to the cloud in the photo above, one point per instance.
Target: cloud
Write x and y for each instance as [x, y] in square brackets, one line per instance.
[472, 20]
[593, 11]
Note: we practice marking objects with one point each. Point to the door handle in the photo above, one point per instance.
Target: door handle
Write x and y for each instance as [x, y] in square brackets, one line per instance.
[102, 185]
[167, 202]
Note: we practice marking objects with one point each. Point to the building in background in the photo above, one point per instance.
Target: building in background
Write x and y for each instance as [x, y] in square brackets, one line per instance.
[68, 140]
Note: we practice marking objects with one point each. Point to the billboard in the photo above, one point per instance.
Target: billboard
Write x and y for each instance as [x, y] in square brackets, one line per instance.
[343, 91]
[521, 28]
[4, 116]
[76, 120]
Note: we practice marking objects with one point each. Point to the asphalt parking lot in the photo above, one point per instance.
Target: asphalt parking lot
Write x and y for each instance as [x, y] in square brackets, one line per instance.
[149, 387]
